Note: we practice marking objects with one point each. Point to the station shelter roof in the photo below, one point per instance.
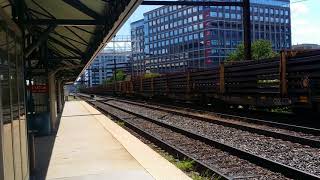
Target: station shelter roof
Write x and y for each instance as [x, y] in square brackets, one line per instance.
[75, 30]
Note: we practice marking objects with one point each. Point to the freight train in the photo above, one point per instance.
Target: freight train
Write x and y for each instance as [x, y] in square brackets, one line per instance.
[293, 79]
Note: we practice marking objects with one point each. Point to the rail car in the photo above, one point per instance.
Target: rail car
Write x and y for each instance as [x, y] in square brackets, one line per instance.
[291, 80]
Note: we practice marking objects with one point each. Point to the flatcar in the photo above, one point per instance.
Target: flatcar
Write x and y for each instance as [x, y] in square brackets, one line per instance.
[293, 79]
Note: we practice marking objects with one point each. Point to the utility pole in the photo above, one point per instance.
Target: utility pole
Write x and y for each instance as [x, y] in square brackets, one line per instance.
[114, 65]
[247, 29]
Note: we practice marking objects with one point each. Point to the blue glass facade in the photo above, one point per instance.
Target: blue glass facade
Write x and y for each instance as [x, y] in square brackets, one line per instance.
[138, 31]
[177, 38]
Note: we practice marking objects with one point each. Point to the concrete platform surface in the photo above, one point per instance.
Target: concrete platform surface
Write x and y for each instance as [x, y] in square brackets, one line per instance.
[91, 146]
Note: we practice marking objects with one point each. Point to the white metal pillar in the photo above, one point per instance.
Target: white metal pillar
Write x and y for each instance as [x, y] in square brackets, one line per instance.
[59, 96]
[52, 101]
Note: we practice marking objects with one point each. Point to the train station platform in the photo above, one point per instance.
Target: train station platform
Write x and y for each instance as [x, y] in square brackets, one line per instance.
[88, 145]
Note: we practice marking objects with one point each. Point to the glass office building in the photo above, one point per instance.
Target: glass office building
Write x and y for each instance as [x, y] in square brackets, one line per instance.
[103, 66]
[137, 46]
[177, 38]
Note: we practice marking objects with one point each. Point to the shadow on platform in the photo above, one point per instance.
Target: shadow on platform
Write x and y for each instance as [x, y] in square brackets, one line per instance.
[43, 150]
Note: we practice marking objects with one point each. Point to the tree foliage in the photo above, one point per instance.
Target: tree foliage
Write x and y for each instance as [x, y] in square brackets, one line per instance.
[238, 54]
[261, 49]
[119, 76]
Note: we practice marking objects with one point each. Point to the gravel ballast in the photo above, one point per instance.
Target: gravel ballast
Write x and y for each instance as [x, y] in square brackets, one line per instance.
[299, 156]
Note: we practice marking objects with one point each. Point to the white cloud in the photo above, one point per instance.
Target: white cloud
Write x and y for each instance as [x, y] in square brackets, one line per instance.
[305, 32]
[298, 9]
[303, 28]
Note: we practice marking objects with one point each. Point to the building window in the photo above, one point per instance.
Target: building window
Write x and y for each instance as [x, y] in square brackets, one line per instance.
[201, 35]
[195, 18]
[195, 9]
[189, 11]
[213, 14]
[195, 27]
[200, 26]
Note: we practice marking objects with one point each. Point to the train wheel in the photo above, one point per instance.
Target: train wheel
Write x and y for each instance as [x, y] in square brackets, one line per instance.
[218, 104]
[300, 110]
[203, 100]
[316, 107]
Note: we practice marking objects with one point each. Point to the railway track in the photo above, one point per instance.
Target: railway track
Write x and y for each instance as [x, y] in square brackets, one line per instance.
[297, 134]
[229, 161]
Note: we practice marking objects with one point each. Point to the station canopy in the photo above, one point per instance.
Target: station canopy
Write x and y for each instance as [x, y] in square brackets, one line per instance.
[74, 30]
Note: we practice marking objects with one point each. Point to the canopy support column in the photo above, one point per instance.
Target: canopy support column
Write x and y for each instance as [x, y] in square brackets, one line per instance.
[59, 89]
[52, 101]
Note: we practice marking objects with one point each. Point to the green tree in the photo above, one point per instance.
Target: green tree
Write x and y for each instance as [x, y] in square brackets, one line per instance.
[238, 54]
[120, 76]
[261, 49]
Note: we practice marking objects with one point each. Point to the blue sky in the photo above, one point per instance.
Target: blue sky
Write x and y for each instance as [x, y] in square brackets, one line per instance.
[305, 21]
[137, 15]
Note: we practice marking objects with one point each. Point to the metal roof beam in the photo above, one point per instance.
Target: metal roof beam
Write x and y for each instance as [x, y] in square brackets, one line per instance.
[76, 35]
[65, 46]
[56, 51]
[42, 38]
[192, 3]
[83, 8]
[61, 58]
[39, 13]
[65, 22]
[65, 58]
[69, 43]
[74, 40]
[84, 30]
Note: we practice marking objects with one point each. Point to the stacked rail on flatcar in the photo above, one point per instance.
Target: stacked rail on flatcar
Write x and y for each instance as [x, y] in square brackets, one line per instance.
[290, 80]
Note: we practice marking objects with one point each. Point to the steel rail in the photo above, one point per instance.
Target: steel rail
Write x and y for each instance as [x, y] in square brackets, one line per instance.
[192, 113]
[258, 160]
[261, 161]
[200, 166]
[302, 140]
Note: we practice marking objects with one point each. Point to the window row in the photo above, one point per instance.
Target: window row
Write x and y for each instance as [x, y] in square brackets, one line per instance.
[175, 32]
[165, 11]
[168, 9]
[180, 39]
[176, 22]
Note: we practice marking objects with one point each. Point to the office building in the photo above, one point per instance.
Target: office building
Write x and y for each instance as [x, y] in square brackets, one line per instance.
[138, 48]
[178, 38]
[104, 64]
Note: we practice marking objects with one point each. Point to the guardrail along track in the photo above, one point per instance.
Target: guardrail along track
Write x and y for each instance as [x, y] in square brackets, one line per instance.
[224, 147]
